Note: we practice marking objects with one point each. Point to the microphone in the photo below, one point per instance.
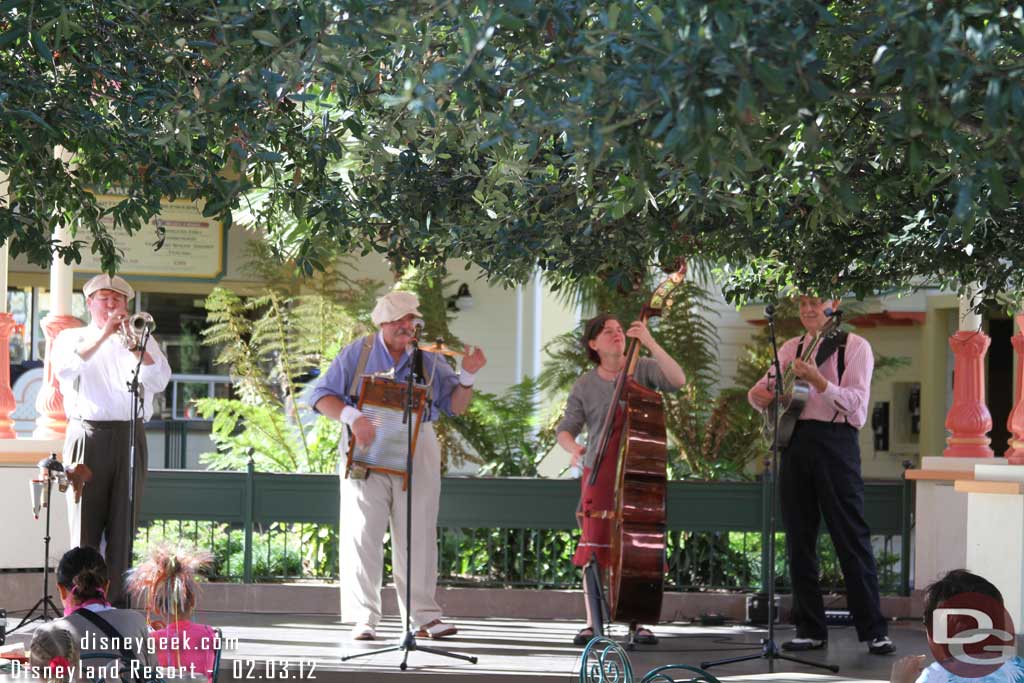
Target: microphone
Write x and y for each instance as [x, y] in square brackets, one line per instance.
[769, 311]
[418, 323]
[829, 312]
[36, 490]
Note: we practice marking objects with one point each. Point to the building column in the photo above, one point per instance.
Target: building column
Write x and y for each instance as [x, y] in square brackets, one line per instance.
[6, 326]
[1015, 422]
[969, 420]
[51, 422]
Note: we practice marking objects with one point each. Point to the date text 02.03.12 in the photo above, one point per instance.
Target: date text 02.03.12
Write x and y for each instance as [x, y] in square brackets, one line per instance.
[273, 670]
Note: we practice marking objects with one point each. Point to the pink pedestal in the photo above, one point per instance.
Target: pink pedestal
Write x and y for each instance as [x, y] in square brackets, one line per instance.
[6, 395]
[969, 419]
[1015, 422]
[52, 423]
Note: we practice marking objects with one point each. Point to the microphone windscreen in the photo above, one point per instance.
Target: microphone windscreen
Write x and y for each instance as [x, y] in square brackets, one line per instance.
[829, 312]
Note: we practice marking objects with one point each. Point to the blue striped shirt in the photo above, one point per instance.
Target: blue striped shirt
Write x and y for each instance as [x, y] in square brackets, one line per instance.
[338, 378]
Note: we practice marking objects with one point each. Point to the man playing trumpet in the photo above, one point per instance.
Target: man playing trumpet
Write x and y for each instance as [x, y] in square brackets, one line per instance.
[94, 372]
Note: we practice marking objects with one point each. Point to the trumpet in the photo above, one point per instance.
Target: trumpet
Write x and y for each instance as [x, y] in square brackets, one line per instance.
[133, 329]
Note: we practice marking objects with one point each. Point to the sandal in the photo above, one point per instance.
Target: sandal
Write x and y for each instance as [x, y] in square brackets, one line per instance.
[436, 629]
[644, 636]
[363, 632]
[583, 636]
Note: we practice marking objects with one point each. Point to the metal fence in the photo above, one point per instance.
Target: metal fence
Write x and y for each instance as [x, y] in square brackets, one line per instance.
[496, 532]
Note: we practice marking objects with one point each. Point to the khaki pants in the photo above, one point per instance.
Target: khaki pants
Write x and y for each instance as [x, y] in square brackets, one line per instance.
[367, 507]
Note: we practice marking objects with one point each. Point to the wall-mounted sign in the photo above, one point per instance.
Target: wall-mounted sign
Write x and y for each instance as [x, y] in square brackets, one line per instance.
[192, 248]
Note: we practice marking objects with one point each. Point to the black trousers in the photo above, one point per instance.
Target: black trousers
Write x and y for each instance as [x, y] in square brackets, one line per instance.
[103, 514]
[820, 477]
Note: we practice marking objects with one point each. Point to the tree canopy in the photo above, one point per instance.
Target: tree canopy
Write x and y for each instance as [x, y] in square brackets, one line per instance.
[855, 145]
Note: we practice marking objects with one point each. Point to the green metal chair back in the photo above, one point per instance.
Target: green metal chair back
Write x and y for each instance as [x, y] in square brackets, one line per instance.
[605, 661]
[662, 675]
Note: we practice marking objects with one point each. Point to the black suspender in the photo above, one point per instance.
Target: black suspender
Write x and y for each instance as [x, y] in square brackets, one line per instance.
[840, 359]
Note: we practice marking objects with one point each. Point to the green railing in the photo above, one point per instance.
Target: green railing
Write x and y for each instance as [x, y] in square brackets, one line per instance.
[512, 518]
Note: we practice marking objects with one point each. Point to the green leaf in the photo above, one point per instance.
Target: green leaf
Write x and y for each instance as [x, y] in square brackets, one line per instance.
[613, 16]
[32, 116]
[41, 48]
[266, 38]
[1000, 196]
[11, 35]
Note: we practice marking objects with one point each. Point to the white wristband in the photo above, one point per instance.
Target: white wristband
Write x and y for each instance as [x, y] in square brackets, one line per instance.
[349, 415]
[466, 378]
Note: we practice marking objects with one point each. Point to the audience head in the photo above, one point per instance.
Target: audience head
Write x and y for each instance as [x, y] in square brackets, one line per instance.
[82, 575]
[167, 582]
[53, 653]
[956, 607]
[956, 582]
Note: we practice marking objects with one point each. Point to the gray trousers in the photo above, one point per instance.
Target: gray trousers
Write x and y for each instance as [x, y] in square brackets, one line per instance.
[103, 514]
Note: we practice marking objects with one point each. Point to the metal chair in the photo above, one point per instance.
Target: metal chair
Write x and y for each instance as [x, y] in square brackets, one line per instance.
[605, 661]
[220, 645]
[661, 675]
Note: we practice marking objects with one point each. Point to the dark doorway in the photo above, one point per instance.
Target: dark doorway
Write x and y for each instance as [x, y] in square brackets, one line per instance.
[1000, 380]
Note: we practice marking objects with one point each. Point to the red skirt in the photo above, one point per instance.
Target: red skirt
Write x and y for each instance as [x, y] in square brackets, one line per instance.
[596, 536]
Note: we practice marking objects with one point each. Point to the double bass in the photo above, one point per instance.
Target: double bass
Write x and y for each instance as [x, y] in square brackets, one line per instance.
[633, 440]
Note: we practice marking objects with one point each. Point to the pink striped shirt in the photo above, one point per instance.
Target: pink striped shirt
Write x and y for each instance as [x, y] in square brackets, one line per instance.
[850, 398]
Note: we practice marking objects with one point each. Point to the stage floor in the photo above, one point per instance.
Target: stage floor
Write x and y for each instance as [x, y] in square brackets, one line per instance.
[526, 651]
[542, 651]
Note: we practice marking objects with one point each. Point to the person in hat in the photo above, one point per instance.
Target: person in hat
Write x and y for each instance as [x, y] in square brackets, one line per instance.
[370, 500]
[819, 477]
[94, 369]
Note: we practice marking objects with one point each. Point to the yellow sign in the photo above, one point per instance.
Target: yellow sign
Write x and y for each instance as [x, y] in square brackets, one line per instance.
[192, 247]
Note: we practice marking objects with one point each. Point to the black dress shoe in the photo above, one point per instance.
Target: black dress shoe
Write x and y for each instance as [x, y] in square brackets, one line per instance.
[881, 646]
[803, 644]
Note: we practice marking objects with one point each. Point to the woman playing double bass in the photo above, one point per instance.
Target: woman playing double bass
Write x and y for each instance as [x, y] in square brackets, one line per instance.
[605, 344]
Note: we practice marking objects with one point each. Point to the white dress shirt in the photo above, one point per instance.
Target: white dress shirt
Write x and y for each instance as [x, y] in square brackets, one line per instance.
[102, 391]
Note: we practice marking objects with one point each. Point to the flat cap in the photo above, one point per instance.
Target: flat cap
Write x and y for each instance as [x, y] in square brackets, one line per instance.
[104, 281]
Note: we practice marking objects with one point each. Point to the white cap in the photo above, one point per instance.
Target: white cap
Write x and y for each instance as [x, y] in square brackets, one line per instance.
[394, 306]
[115, 283]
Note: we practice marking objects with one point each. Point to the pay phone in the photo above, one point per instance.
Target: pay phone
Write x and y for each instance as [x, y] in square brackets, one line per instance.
[880, 425]
[914, 406]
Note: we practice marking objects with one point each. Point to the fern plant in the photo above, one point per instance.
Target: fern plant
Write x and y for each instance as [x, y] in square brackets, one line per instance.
[271, 344]
[506, 428]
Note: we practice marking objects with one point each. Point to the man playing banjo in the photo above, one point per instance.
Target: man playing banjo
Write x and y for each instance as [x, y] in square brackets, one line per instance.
[820, 476]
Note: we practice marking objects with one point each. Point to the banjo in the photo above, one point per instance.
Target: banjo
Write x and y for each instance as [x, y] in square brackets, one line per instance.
[796, 392]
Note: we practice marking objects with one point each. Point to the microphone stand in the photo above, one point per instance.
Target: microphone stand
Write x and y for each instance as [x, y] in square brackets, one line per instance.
[50, 465]
[135, 389]
[408, 643]
[769, 650]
